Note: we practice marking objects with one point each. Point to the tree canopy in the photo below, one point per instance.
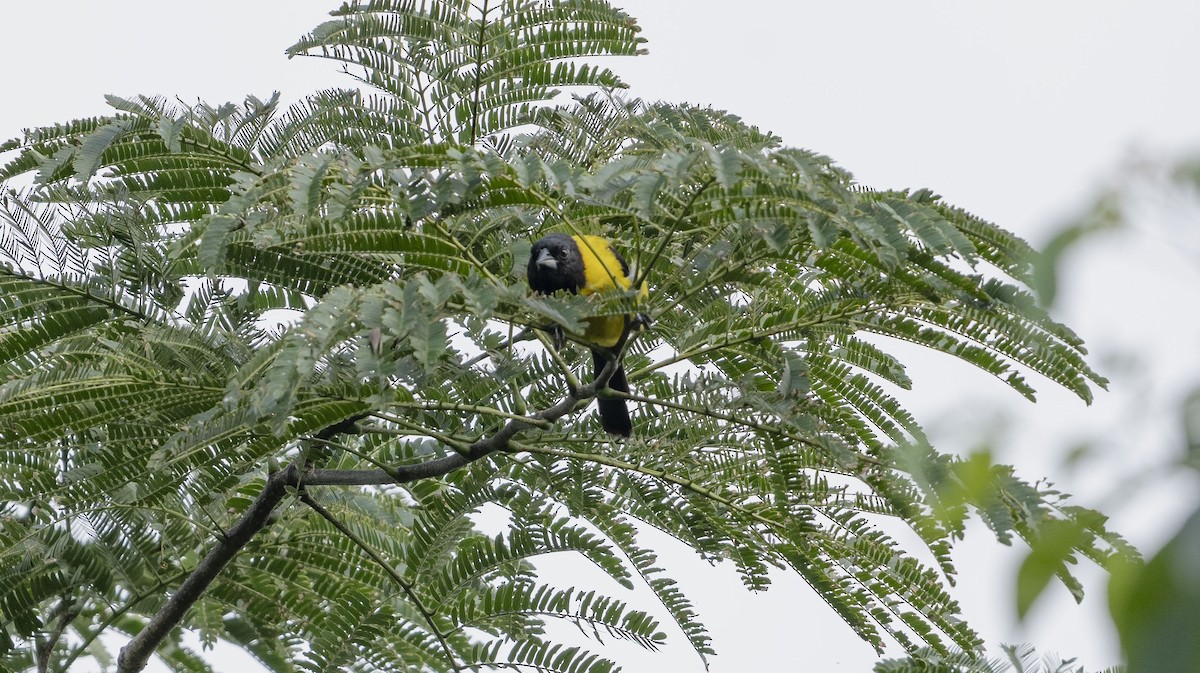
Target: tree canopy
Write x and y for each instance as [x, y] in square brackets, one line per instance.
[263, 367]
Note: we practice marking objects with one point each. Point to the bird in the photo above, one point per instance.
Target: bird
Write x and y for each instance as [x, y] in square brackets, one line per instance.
[588, 265]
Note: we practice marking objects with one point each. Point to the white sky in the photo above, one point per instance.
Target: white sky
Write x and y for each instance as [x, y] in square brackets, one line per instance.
[1019, 111]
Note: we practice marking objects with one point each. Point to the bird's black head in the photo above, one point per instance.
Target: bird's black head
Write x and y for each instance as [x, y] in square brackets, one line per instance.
[555, 264]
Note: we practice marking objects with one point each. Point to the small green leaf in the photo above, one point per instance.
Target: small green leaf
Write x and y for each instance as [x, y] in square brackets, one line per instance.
[91, 153]
[429, 341]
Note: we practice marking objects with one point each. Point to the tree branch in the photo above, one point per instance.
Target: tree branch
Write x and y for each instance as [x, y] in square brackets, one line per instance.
[137, 652]
[69, 609]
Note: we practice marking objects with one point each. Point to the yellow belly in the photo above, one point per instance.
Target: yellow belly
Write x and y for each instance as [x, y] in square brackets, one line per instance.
[605, 330]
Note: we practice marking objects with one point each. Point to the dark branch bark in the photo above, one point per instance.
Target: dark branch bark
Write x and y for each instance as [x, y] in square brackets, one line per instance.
[138, 651]
[69, 609]
[135, 654]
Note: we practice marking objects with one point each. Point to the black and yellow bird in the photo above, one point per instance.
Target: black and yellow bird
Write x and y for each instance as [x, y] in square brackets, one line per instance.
[587, 265]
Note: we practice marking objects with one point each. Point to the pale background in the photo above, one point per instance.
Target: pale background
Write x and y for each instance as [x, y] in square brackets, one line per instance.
[1020, 111]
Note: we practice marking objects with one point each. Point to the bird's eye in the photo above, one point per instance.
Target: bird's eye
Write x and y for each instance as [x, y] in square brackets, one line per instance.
[562, 253]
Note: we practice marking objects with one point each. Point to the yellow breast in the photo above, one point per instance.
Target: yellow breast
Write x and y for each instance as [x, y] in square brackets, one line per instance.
[603, 271]
[602, 268]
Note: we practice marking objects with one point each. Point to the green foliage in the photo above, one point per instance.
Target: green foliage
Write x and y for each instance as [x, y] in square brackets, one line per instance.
[456, 72]
[1017, 659]
[194, 295]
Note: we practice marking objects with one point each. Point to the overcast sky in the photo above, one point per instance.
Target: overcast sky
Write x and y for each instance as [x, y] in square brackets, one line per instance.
[1018, 111]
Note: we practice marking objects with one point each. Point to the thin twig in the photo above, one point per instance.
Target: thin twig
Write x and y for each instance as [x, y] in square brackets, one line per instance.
[523, 335]
[407, 587]
[792, 325]
[478, 72]
[115, 614]
[687, 484]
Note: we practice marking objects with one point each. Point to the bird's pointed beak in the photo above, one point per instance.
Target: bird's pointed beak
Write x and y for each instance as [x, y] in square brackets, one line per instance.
[547, 260]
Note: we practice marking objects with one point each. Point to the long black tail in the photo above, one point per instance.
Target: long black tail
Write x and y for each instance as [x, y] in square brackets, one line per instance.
[614, 414]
